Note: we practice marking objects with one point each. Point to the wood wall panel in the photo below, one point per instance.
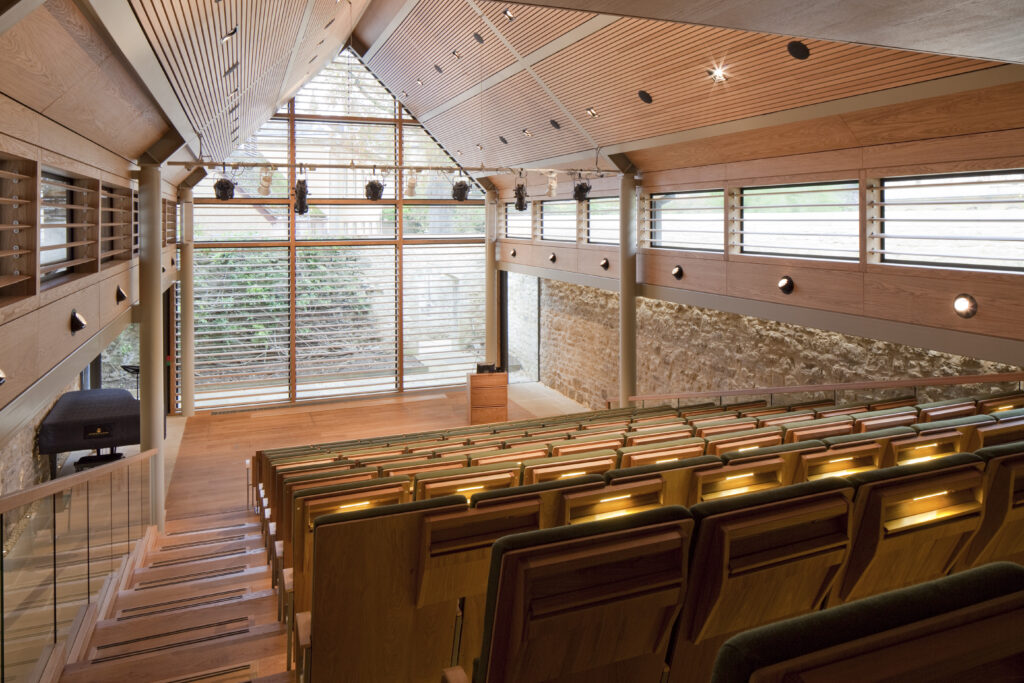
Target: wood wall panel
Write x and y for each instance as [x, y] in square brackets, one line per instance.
[523, 248]
[929, 301]
[55, 326]
[20, 355]
[820, 288]
[655, 266]
[588, 260]
[110, 308]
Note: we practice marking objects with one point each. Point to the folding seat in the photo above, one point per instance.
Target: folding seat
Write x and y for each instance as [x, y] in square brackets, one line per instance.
[706, 428]
[744, 440]
[741, 474]
[537, 440]
[966, 425]
[701, 418]
[924, 445]
[746, 405]
[947, 410]
[549, 494]
[763, 411]
[449, 462]
[657, 453]
[1009, 427]
[645, 421]
[912, 524]
[297, 482]
[516, 454]
[879, 437]
[874, 420]
[791, 455]
[661, 433]
[1001, 534]
[964, 627]
[588, 603]
[675, 477]
[815, 404]
[785, 418]
[465, 481]
[586, 444]
[756, 559]
[843, 409]
[1001, 403]
[567, 466]
[365, 624]
[898, 402]
[701, 409]
[818, 428]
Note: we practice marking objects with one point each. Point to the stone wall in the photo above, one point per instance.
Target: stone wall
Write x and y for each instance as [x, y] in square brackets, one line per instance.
[685, 348]
[21, 465]
[522, 327]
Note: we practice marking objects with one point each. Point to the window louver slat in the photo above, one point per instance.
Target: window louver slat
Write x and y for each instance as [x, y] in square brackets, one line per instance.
[686, 220]
[346, 222]
[808, 221]
[518, 223]
[443, 220]
[239, 222]
[558, 221]
[603, 220]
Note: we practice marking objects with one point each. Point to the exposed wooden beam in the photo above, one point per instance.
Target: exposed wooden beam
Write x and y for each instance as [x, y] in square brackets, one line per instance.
[622, 162]
[982, 29]
[193, 178]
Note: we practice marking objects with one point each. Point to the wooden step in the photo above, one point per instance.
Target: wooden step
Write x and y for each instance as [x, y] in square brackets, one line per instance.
[252, 578]
[184, 660]
[202, 550]
[148, 578]
[133, 646]
[174, 527]
[194, 539]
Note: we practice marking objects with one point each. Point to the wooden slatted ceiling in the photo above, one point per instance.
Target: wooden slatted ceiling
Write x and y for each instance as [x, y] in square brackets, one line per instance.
[427, 37]
[533, 27]
[54, 62]
[670, 61]
[505, 109]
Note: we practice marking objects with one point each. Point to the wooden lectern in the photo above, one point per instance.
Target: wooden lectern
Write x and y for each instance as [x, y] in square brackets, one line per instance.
[488, 397]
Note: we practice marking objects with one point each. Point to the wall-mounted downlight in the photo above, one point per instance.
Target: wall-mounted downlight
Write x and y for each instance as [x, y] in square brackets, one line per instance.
[604, 264]
[677, 272]
[965, 305]
[786, 284]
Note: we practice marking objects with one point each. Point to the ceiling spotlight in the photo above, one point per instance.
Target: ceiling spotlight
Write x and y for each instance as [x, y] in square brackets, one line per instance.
[508, 14]
[458, 152]
[591, 112]
[403, 94]
[555, 124]
[717, 74]
[229, 35]
[478, 38]
[234, 92]
[455, 53]
[479, 147]
[460, 191]
[374, 190]
[786, 284]
[645, 96]
[503, 140]
[301, 193]
[520, 192]
[419, 81]
[224, 189]
[527, 133]
[677, 272]
[965, 305]
[231, 69]
[798, 50]
[581, 190]
[438, 69]
[328, 24]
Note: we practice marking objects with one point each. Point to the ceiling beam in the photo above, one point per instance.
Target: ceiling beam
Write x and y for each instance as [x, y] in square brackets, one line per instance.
[981, 29]
[118, 20]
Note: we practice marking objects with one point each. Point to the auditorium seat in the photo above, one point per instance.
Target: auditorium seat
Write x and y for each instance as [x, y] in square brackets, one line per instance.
[588, 603]
[1009, 427]
[964, 627]
[747, 439]
[785, 418]
[1000, 403]
[675, 475]
[738, 476]
[428, 465]
[566, 466]
[758, 558]
[365, 623]
[791, 455]
[897, 402]
[516, 453]
[587, 444]
[706, 428]
[875, 420]
[863, 445]
[549, 494]
[464, 481]
[842, 409]
[657, 453]
[1001, 534]
[313, 479]
[946, 410]
[818, 428]
[912, 523]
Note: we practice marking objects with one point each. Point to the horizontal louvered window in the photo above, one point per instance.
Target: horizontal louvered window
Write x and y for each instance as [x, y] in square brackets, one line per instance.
[808, 221]
[558, 221]
[518, 223]
[443, 313]
[335, 142]
[972, 220]
[117, 230]
[443, 220]
[687, 220]
[420, 149]
[345, 88]
[603, 220]
[239, 222]
[346, 319]
[242, 332]
[67, 227]
[268, 145]
[347, 222]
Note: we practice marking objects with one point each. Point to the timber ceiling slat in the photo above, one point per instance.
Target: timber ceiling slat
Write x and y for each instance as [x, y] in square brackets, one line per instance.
[533, 27]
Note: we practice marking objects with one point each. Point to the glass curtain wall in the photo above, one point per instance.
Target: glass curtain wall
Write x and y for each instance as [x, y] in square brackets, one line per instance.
[354, 296]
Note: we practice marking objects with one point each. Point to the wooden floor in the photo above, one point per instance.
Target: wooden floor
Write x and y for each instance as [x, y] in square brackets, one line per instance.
[209, 475]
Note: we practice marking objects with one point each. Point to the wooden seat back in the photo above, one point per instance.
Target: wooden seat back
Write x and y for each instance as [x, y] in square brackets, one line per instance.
[839, 462]
[319, 478]
[946, 410]
[912, 523]
[1001, 403]
[786, 418]
[749, 475]
[588, 444]
[922, 447]
[1001, 534]
[591, 602]
[658, 453]
[994, 434]
[675, 476]
[789, 453]
[568, 466]
[704, 429]
[465, 481]
[365, 623]
[819, 428]
[745, 440]
[963, 627]
[757, 559]
[884, 418]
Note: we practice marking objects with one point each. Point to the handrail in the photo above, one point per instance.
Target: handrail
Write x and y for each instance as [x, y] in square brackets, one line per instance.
[17, 499]
[846, 386]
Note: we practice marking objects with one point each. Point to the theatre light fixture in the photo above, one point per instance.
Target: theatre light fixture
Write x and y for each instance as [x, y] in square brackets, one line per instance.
[786, 284]
[965, 305]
